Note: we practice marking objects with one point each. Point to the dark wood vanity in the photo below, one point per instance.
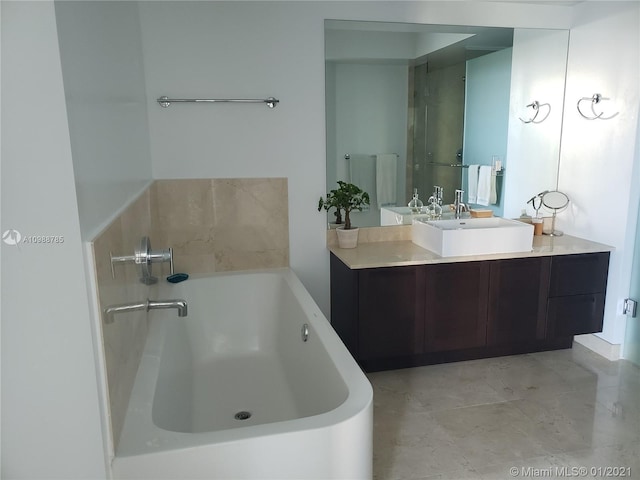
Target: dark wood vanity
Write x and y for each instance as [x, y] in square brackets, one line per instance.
[449, 310]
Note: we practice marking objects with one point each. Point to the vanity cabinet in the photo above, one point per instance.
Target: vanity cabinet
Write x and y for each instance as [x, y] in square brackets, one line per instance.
[394, 317]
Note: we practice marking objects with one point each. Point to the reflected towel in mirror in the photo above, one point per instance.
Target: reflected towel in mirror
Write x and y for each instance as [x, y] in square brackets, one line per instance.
[484, 185]
[472, 188]
[386, 168]
[362, 173]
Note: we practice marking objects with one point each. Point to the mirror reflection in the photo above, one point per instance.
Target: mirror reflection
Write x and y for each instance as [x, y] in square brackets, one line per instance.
[413, 107]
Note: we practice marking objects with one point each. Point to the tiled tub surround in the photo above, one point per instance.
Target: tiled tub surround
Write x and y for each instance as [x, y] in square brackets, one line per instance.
[123, 341]
[217, 225]
[213, 225]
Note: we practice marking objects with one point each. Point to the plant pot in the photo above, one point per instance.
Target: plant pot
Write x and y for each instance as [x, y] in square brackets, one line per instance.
[347, 238]
[333, 226]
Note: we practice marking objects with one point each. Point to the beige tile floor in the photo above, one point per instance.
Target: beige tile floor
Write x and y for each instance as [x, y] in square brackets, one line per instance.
[544, 414]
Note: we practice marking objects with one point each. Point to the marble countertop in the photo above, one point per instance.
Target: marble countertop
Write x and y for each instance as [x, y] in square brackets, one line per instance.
[404, 252]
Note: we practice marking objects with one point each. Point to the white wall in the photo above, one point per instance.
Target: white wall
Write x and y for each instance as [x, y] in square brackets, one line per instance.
[106, 104]
[541, 78]
[258, 49]
[597, 156]
[50, 418]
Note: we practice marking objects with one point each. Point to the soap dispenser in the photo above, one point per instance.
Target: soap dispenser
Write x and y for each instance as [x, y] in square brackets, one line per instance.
[435, 203]
[415, 205]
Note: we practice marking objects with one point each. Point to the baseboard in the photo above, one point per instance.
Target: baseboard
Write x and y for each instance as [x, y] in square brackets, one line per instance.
[608, 350]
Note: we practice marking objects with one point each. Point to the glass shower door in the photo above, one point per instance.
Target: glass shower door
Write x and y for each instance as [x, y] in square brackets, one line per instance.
[632, 335]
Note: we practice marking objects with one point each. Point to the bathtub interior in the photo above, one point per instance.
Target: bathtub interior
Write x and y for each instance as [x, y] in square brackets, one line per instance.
[240, 350]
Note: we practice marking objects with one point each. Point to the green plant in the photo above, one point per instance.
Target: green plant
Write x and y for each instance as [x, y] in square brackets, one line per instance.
[329, 202]
[347, 197]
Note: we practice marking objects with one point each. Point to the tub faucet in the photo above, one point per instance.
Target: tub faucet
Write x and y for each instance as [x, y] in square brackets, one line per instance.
[146, 305]
[459, 205]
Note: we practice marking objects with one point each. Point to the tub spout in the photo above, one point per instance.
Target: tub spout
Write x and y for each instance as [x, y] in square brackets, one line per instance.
[147, 305]
[180, 305]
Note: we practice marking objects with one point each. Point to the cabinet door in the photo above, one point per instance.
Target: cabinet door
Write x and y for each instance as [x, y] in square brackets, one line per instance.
[456, 305]
[518, 300]
[390, 312]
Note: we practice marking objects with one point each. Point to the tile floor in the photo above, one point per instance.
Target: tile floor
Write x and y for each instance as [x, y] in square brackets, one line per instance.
[545, 414]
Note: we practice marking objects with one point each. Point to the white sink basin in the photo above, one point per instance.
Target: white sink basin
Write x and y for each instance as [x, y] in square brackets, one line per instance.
[472, 236]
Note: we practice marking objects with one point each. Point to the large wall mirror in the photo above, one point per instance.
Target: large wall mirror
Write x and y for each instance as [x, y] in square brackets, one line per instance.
[411, 106]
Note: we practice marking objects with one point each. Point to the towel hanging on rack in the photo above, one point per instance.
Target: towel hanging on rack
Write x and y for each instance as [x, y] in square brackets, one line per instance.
[472, 188]
[386, 178]
[362, 172]
[493, 193]
[484, 185]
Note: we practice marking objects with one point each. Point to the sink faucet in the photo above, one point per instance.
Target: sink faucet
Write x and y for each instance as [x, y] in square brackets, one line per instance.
[146, 305]
[459, 205]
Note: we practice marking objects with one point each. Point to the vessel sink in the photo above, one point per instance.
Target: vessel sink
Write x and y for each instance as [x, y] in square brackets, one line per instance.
[472, 236]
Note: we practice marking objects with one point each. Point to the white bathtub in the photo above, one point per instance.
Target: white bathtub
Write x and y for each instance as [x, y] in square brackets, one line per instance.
[240, 349]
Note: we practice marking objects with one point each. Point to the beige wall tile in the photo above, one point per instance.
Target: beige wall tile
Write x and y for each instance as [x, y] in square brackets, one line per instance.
[183, 203]
[124, 339]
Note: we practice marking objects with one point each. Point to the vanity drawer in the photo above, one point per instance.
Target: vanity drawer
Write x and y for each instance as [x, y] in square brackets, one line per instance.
[575, 315]
[579, 274]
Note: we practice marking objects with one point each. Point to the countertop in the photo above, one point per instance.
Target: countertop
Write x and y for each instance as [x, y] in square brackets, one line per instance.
[401, 253]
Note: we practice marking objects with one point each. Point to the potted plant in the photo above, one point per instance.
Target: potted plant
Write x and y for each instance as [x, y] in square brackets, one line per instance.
[348, 197]
[331, 201]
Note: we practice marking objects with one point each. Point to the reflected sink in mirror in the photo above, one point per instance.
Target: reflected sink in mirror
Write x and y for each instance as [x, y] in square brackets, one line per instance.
[404, 215]
[472, 236]
[399, 216]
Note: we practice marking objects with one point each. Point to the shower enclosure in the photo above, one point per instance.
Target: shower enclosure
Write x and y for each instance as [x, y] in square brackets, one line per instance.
[436, 126]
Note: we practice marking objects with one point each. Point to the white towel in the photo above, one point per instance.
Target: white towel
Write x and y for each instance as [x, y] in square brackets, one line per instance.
[472, 188]
[386, 178]
[484, 185]
[362, 173]
[493, 195]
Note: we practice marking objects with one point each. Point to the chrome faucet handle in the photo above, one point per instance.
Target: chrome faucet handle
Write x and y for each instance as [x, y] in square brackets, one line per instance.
[144, 256]
[159, 256]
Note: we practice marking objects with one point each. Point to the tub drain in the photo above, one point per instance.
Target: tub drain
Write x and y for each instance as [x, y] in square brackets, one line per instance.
[242, 415]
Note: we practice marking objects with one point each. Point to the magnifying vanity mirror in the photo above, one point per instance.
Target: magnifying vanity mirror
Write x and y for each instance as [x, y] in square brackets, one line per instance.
[440, 99]
[554, 201]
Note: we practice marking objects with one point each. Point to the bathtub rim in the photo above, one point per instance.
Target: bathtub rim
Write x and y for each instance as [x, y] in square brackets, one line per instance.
[140, 436]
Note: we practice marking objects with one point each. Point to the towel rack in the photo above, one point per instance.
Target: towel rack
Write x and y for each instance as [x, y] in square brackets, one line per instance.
[455, 165]
[535, 105]
[347, 156]
[498, 173]
[165, 101]
[594, 99]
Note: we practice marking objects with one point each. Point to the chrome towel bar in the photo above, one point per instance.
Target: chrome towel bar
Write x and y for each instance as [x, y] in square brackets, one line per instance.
[165, 101]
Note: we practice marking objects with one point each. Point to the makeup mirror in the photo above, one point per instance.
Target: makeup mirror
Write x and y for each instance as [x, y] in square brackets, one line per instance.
[555, 201]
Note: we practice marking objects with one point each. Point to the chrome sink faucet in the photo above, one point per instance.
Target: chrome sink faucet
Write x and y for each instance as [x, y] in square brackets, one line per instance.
[459, 205]
[146, 305]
